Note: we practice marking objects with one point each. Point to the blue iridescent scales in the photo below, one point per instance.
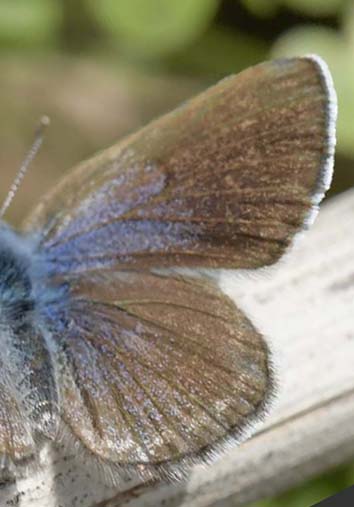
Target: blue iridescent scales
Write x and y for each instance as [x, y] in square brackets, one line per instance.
[152, 372]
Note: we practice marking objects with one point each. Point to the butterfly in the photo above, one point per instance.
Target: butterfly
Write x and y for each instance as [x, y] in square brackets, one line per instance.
[102, 338]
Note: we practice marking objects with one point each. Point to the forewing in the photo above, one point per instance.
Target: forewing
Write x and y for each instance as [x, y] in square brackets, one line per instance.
[158, 371]
[224, 181]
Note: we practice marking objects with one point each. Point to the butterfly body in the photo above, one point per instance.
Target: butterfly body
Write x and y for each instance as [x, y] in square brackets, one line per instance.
[16, 299]
[26, 352]
[27, 288]
[150, 370]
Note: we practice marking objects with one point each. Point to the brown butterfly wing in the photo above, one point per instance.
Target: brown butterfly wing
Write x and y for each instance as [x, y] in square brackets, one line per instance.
[224, 181]
[161, 369]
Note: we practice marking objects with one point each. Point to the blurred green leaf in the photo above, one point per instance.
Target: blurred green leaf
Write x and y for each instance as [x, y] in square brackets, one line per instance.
[157, 27]
[339, 55]
[313, 491]
[310, 39]
[350, 474]
[219, 52]
[308, 495]
[262, 8]
[348, 22]
[316, 7]
[28, 21]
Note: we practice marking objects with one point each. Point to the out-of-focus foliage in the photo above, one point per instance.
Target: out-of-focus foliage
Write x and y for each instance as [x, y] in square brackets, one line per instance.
[154, 27]
[196, 37]
[311, 7]
[239, 50]
[337, 48]
[67, 58]
[315, 7]
[314, 491]
[28, 22]
[263, 8]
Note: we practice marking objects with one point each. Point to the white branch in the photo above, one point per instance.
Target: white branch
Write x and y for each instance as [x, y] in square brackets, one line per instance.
[306, 306]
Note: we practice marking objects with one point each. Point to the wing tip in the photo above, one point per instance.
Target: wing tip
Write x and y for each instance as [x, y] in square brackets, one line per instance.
[326, 171]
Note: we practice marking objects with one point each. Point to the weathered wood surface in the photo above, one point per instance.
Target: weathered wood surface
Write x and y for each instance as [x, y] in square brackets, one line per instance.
[306, 306]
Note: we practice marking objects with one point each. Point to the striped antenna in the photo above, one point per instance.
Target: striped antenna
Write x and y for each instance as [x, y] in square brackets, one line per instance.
[32, 152]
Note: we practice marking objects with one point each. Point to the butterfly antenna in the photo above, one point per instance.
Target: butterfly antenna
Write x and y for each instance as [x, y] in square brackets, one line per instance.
[32, 152]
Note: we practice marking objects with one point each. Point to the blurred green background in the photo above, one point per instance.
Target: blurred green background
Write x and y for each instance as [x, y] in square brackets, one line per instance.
[101, 68]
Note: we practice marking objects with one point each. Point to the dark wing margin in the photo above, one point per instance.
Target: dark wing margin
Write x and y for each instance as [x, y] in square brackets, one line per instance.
[225, 181]
[158, 372]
